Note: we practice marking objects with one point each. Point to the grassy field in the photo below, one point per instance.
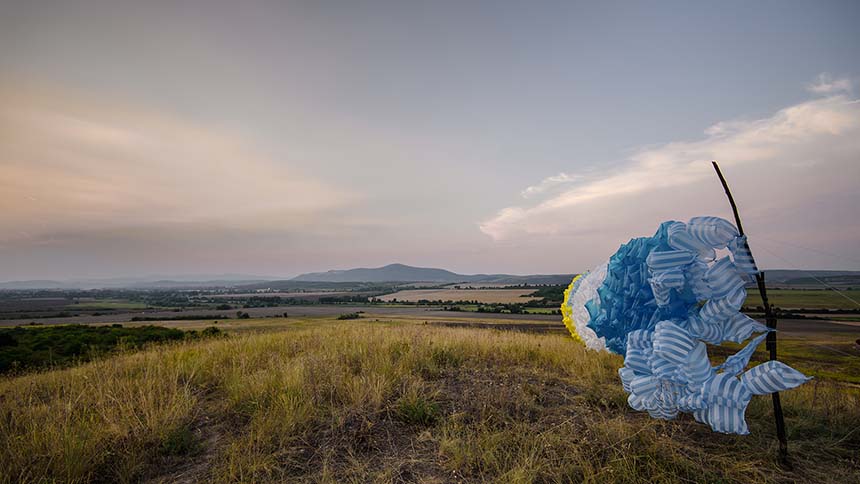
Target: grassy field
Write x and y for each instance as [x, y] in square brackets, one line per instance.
[826, 356]
[840, 317]
[783, 298]
[108, 304]
[807, 299]
[529, 310]
[486, 296]
[359, 401]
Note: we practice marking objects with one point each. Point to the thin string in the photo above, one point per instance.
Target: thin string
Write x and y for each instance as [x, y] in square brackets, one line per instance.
[836, 290]
[798, 246]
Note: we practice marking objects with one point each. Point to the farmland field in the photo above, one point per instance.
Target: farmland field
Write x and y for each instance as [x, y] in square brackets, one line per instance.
[107, 304]
[808, 299]
[486, 296]
[278, 294]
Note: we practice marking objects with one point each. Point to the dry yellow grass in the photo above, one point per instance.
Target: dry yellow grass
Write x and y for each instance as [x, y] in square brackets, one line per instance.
[484, 296]
[363, 402]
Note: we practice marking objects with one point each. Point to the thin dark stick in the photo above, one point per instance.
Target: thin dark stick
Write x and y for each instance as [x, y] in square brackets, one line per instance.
[770, 318]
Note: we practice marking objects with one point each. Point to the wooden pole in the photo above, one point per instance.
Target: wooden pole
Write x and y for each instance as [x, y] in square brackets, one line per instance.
[770, 318]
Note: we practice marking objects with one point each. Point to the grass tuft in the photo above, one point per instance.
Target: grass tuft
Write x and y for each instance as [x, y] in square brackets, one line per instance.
[181, 441]
[415, 409]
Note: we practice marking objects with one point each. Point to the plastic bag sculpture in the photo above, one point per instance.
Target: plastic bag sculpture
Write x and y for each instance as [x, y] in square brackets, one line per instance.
[657, 302]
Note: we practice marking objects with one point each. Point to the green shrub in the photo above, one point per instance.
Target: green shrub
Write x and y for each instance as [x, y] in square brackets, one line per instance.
[417, 410]
[38, 347]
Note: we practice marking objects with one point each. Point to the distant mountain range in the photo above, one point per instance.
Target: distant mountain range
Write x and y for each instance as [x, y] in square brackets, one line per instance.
[392, 273]
[389, 273]
[404, 273]
[144, 282]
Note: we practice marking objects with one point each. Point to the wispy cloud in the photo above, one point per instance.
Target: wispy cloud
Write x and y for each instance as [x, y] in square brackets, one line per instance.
[827, 84]
[813, 140]
[550, 183]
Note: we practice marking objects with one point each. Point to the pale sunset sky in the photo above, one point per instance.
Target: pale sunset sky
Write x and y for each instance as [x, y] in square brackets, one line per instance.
[275, 138]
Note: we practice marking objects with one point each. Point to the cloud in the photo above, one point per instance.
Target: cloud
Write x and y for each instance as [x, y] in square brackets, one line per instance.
[798, 166]
[71, 163]
[549, 183]
[826, 84]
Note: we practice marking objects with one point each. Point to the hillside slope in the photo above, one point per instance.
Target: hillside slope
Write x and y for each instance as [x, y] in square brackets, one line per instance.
[379, 402]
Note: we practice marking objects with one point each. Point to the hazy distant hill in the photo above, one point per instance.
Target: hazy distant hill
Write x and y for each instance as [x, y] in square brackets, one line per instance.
[404, 273]
[34, 284]
[554, 279]
[353, 279]
[389, 273]
[145, 282]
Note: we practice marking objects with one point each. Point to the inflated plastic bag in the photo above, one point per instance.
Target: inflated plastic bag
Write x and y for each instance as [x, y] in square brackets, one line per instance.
[658, 302]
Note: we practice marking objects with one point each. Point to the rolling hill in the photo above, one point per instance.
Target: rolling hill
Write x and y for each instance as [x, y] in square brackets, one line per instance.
[389, 273]
[404, 273]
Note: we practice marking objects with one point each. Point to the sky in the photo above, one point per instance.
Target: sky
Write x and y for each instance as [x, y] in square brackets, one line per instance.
[275, 138]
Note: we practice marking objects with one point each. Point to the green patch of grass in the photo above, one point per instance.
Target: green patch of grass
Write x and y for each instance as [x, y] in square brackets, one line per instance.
[833, 358]
[180, 441]
[552, 310]
[417, 410]
[842, 317]
[445, 357]
[109, 304]
[34, 347]
[27, 347]
[525, 309]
